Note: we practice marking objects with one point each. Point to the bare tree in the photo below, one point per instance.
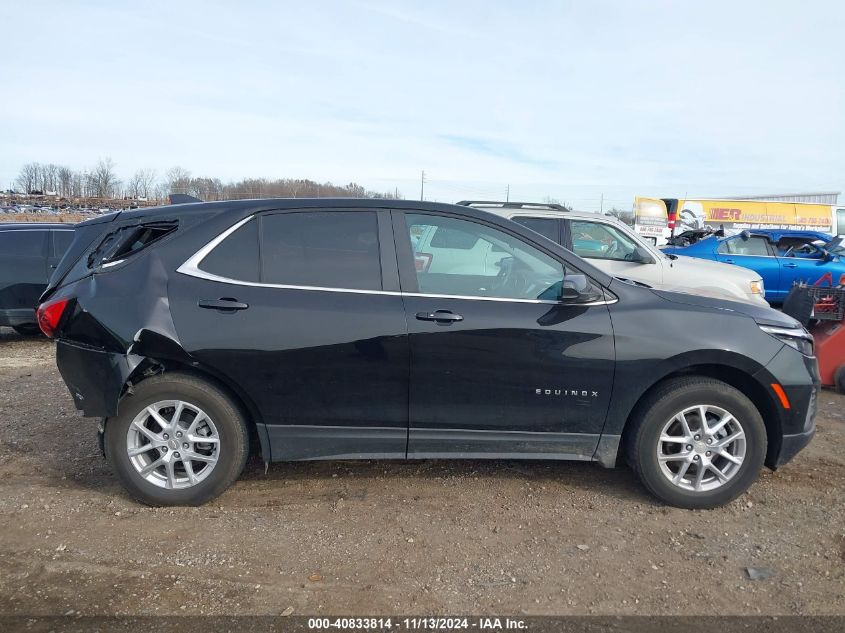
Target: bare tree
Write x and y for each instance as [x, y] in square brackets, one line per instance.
[148, 182]
[103, 179]
[133, 187]
[27, 180]
[50, 178]
[625, 216]
[64, 179]
[178, 180]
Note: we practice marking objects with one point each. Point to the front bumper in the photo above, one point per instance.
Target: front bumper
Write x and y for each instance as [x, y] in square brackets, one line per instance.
[791, 445]
[798, 375]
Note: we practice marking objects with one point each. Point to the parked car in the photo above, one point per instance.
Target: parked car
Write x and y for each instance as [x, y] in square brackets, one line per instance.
[782, 258]
[310, 329]
[29, 252]
[616, 249]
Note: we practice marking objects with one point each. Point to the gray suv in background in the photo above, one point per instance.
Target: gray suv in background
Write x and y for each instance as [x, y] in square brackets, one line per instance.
[29, 251]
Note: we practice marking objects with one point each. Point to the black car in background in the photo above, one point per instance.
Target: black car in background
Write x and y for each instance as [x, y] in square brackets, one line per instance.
[321, 329]
[29, 252]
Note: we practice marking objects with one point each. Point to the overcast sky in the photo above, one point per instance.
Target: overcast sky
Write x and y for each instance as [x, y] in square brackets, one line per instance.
[567, 99]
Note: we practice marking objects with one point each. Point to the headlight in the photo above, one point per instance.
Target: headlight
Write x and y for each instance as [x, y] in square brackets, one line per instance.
[797, 339]
[757, 287]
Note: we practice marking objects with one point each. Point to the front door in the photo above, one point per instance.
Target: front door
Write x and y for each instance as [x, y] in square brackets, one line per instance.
[498, 365]
[312, 331]
[756, 253]
[612, 251]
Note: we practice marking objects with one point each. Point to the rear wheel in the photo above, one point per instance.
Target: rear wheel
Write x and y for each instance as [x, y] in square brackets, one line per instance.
[177, 440]
[840, 379]
[697, 442]
[27, 329]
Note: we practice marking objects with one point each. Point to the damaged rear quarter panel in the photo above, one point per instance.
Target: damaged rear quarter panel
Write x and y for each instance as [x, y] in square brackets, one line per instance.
[97, 356]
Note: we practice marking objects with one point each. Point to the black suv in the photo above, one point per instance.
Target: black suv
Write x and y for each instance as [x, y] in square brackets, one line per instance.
[322, 329]
[29, 251]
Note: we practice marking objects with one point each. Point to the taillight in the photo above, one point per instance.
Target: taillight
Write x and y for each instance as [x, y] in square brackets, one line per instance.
[49, 315]
[672, 218]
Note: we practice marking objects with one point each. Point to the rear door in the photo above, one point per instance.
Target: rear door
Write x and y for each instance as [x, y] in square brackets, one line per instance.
[797, 269]
[499, 366]
[23, 272]
[301, 311]
[60, 241]
[552, 228]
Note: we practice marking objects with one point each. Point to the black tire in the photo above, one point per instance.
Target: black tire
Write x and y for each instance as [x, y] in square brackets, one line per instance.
[664, 402]
[839, 379]
[228, 419]
[27, 329]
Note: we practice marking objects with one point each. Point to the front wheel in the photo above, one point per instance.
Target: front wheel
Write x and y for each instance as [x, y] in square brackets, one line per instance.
[177, 440]
[697, 442]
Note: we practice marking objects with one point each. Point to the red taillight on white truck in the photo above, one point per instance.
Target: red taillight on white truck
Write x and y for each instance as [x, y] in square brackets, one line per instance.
[49, 314]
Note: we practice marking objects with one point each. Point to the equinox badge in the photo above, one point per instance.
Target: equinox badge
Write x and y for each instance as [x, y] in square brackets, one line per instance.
[577, 393]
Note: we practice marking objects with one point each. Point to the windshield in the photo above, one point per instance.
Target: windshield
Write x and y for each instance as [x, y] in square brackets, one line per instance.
[835, 247]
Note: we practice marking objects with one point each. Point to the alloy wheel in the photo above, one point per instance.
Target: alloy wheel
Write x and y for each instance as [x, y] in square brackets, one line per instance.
[173, 444]
[701, 448]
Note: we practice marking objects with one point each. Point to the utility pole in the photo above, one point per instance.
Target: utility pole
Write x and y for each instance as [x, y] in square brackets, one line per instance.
[601, 204]
[508, 194]
[422, 185]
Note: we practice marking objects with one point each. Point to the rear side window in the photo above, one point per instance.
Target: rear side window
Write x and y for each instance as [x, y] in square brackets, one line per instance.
[329, 249]
[236, 257]
[23, 243]
[752, 246]
[128, 240]
[61, 242]
[547, 227]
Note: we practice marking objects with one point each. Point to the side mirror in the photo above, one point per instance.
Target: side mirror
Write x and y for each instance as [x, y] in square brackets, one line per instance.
[577, 289]
[642, 256]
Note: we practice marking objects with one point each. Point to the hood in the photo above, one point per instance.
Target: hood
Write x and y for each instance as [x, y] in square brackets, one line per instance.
[693, 265]
[761, 314]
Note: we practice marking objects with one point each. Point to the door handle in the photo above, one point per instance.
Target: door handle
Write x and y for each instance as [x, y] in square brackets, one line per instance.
[441, 316]
[729, 261]
[790, 265]
[224, 304]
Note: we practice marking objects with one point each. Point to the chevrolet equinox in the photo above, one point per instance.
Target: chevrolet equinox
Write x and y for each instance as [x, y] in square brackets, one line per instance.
[322, 329]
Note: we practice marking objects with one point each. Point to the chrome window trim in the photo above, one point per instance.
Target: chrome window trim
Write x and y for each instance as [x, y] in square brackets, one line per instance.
[191, 268]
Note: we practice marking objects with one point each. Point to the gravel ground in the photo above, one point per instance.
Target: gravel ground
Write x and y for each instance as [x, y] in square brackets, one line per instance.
[418, 537]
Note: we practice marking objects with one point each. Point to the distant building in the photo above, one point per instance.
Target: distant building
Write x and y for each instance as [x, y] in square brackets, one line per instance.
[820, 197]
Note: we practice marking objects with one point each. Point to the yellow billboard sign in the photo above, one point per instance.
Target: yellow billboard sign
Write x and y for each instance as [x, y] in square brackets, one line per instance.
[736, 214]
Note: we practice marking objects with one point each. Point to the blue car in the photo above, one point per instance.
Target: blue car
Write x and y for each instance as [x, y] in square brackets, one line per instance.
[782, 258]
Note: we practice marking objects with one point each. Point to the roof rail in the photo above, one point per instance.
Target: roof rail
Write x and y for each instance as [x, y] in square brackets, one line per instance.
[513, 205]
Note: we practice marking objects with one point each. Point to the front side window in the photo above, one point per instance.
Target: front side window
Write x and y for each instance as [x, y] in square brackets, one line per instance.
[752, 246]
[595, 240]
[327, 249]
[22, 243]
[462, 258]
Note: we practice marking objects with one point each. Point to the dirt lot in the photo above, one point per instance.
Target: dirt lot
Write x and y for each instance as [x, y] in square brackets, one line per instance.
[419, 537]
